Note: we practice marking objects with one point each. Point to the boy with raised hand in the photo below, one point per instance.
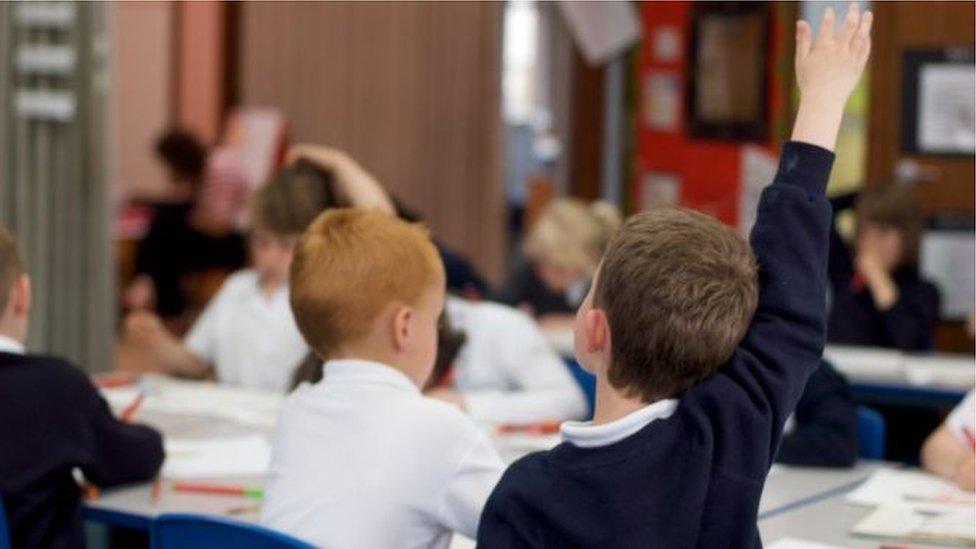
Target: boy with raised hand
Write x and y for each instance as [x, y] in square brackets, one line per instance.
[362, 458]
[700, 351]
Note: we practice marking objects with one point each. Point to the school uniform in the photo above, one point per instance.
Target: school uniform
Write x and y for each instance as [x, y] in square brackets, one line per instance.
[962, 420]
[362, 459]
[524, 288]
[52, 421]
[506, 370]
[823, 430]
[248, 336]
[690, 472]
[909, 325]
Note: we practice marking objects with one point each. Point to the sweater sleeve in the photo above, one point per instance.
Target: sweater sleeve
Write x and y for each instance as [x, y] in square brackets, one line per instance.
[119, 452]
[826, 424]
[784, 343]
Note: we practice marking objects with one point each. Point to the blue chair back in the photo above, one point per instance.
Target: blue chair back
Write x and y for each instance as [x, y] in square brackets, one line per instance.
[185, 531]
[870, 433]
[585, 380]
[4, 532]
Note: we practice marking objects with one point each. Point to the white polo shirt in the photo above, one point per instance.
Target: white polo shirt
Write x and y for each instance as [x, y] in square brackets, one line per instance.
[250, 338]
[507, 370]
[963, 419]
[362, 459]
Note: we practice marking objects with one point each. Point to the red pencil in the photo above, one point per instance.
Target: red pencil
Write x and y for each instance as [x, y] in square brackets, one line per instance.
[539, 428]
[218, 489]
[132, 408]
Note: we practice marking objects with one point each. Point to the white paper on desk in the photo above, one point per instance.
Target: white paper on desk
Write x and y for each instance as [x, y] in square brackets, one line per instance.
[944, 370]
[952, 526]
[794, 543]
[915, 488]
[222, 457]
[863, 363]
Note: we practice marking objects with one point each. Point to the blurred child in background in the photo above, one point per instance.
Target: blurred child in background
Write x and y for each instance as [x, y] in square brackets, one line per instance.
[561, 253]
[180, 240]
[247, 336]
[878, 296]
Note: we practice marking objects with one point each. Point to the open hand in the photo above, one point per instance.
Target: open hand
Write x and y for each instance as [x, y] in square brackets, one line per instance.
[828, 67]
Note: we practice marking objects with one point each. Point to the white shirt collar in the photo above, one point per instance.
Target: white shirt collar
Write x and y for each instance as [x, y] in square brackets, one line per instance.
[357, 371]
[586, 435]
[11, 345]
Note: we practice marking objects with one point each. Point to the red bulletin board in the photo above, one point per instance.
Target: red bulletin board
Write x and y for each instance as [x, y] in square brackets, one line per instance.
[708, 171]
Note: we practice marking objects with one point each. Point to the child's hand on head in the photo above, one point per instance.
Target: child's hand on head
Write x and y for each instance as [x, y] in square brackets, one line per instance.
[829, 66]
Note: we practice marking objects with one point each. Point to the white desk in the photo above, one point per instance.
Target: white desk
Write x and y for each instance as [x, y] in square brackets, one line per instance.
[180, 411]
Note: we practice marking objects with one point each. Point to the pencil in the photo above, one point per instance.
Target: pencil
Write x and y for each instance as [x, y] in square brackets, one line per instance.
[218, 489]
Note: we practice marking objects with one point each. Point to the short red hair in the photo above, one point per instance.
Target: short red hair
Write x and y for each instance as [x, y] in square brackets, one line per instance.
[352, 263]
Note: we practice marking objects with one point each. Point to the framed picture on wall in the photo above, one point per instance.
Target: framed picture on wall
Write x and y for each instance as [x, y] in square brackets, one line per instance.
[727, 82]
[938, 106]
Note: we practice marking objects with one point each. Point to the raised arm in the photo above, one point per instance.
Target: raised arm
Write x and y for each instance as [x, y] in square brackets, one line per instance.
[785, 341]
[356, 186]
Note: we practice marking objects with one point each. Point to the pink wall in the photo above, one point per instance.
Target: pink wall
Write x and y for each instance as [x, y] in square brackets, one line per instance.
[140, 96]
[202, 26]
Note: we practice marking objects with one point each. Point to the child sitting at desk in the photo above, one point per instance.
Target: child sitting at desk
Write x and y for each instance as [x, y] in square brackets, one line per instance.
[247, 335]
[879, 298]
[949, 451]
[561, 251]
[700, 350]
[362, 458]
[52, 421]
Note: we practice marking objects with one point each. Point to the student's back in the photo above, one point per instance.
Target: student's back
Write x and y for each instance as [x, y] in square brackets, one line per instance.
[364, 447]
[52, 420]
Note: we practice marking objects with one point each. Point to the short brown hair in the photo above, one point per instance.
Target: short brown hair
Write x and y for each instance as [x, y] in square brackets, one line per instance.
[892, 206]
[679, 290]
[292, 199]
[350, 264]
[11, 266]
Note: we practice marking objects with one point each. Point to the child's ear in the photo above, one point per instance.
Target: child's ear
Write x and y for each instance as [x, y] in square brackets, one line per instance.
[20, 296]
[596, 331]
[402, 318]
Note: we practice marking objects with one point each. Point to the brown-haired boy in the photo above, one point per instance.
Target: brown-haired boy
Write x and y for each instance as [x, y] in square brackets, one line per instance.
[52, 420]
[247, 334]
[362, 458]
[700, 353]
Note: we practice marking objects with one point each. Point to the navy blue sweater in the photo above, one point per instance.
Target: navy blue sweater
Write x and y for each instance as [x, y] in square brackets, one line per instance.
[52, 420]
[695, 478]
[825, 424]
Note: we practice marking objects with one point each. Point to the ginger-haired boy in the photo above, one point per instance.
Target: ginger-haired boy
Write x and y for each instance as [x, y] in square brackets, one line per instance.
[362, 458]
[700, 349]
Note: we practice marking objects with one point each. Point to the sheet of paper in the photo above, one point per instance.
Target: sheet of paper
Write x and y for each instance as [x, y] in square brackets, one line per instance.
[915, 488]
[220, 457]
[863, 363]
[907, 522]
[795, 543]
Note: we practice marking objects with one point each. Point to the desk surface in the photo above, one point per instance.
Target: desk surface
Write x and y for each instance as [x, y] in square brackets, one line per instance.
[826, 521]
[136, 506]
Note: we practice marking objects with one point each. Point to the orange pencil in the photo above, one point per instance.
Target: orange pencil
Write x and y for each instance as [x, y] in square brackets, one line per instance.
[132, 408]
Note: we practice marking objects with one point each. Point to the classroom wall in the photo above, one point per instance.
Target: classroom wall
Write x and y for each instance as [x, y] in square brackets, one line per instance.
[200, 73]
[140, 93]
[411, 89]
[707, 170]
